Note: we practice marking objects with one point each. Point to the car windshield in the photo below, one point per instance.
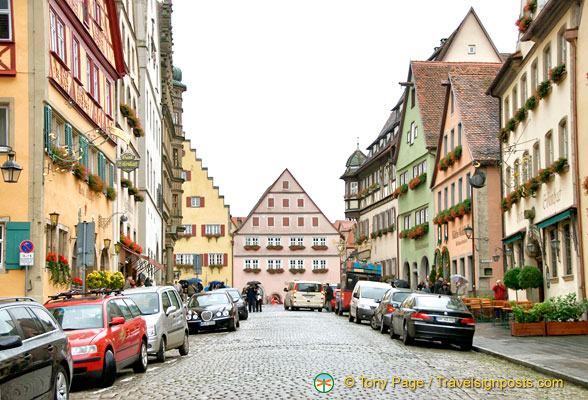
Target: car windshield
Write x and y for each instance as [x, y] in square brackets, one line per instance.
[375, 293]
[209, 299]
[441, 303]
[148, 303]
[84, 316]
[309, 287]
[234, 294]
[399, 297]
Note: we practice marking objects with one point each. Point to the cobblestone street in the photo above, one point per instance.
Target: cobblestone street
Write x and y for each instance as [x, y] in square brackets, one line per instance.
[277, 354]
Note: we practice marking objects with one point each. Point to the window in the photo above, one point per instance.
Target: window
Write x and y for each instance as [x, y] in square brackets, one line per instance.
[255, 221]
[296, 241]
[184, 175]
[552, 237]
[212, 229]
[75, 51]
[3, 126]
[107, 96]
[315, 221]
[319, 264]
[471, 49]
[536, 159]
[526, 170]
[1, 245]
[411, 135]
[468, 187]
[561, 46]
[567, 249]
[404, 178]
[300, 203]
[445, 149]
[563, 139]
[406, 222]
[506, 109]
[445, 198]
[28, 323]
[274, 241]
[89, 74]
[274, 264]
[251, 264]
[95, 83]
[270, 221]
[188, 230]
[286, 185]
[459, 134]
[548, 148]
[270, 202]
[546, 63]
[215, 259]
[286, 203]
[534, 75]
[439, 204]
[515, 100]
[452, 194]
[86, 11]
[251, 241]
[300, 221]
[97, 13]
[524, 89]
[421, 216]
[296, 264]
[184, 259]
[452, 139]
[452, 102]
[507, 179]
[517, 173]
[44, 318]
[459, 190]
[352, 189]
[412, 97]
[5, 20]
[319, 241]
[286, 221]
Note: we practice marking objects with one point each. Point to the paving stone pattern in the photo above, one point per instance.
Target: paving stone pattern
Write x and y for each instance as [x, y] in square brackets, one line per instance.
[277, 354]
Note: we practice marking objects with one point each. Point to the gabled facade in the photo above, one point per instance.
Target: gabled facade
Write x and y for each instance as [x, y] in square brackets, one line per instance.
[285, 237]
[205, 248]
[468, 147]
[538, 134]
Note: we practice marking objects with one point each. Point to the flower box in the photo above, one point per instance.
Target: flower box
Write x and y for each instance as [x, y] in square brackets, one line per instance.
[80, 171]
[294, 248]
[125, 182]
[62, 158]
[270, 247]
[527, 329]
[543, 89]
[96, 183]
[133, 190]
[275, 270]
[126, 110]
[320, 247]
[558, 166]
[251, 247]
[212, 235]
[139, 198]
[297, 270]
[254, 270]
[556, 74]
[585, 185]
[110, 193]
[567, 328]
[320, 270]
[523, 23]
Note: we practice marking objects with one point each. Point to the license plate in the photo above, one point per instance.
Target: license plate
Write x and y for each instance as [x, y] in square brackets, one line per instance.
[445, 319]
[207, 323]
[308, 296]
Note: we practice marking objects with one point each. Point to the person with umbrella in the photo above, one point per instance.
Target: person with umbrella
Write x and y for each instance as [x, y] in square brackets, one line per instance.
[251, 305]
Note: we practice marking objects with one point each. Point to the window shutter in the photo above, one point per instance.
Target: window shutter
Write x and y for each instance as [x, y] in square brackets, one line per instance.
[194, 230]
[111, 174]
[188, 175]
[204, 257]
[102, 166]
[202, 202]
[188, 202]
[16, 232]
[69, 139]
[48, 121]
[225, 259]
[84, 150]
[203, 229]
[222, 230]
[314, 221]
[197, 264]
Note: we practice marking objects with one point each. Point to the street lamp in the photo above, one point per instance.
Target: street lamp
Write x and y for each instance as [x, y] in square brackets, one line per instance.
[107, 243]
[117, 248]
[11, 169]
[496, 257]
[469, 232]
[532, 247]
[54, 219]
[104, 222]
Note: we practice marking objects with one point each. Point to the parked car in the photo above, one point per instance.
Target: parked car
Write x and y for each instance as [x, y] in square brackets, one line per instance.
[35, 356]
[106, 332]
[165, 315]
[391, 300]
[363, 299]
[236, 296]
[304, 294]
[211, 311]
[433, 317]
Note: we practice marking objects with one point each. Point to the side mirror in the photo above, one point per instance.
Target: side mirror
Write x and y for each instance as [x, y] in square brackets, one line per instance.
[378, 301]
[10, 342]
[170, 310]
[285, 289]
[117, 321]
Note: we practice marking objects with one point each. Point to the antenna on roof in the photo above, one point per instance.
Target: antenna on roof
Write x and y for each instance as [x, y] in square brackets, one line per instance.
[358, 143]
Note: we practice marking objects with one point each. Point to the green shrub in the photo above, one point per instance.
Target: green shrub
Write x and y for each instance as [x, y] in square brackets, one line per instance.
[530, 278]
[511, 279]
[565, 308]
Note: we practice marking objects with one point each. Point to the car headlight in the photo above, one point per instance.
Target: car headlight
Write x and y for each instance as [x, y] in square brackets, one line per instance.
[152, 330]
[195, 315]
[218, 314]
[79, 350]
[364, 307]
[188, 317]
[225, 313]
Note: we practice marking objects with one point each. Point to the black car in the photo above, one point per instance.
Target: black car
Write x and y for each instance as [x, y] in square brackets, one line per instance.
[211, 311]
[433, 317]
[236, 296]
[383, 314]
[34, 352]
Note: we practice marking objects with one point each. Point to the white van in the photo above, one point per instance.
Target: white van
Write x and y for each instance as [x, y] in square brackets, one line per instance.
[365, 299]
[304, 294]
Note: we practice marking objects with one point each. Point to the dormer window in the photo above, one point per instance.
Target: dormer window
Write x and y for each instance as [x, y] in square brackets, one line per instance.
[471, 49]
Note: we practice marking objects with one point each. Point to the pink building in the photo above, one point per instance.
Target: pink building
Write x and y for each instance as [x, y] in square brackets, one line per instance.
[285, 237]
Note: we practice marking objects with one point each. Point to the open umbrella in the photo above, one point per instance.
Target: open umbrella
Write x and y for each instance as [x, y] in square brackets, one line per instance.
[402, 284]
[216, 282]
[457, 278]
[193, 280]
[183, 281]
[253, 282]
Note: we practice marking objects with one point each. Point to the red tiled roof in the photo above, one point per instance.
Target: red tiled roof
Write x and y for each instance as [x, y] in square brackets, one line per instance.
[428, 76]
[344, 225]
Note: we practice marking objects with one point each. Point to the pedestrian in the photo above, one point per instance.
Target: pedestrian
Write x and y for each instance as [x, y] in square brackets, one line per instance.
[437, 286]
[191, 290]
[421, 285]
[148, 282]
[177, 287]
[329, 297]
[258, 298]
[445, 289]
[251, 299]
[499, 294]
[129, 284]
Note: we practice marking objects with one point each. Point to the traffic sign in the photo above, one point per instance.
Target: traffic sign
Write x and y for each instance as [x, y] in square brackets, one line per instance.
[26, 246]
[27, 259]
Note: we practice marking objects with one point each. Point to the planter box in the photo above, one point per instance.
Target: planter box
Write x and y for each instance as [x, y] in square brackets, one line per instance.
[527, 329]
[567, 328]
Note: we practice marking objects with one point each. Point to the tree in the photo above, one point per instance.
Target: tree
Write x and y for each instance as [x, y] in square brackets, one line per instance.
[512, 281]
[530, 277]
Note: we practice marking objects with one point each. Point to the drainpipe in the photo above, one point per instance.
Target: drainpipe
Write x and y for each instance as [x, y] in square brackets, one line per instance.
[571, 36]
[474, 209]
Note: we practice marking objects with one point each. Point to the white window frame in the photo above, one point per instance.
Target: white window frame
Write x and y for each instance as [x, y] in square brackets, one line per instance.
[8, 11]
[319, 264]
[107, 97]
[296, 263]
[215, 258]
[274, 264]
[75, 55]
[471, 49]
[187, 229]
[184, 175]
[319, 241]
[251, 241]
[297, 241]
[251, 263]
[212, 229]
[353, 186]
[60, 39]
[195, 201]
[274, 241]
[185, 258]
[53, 25]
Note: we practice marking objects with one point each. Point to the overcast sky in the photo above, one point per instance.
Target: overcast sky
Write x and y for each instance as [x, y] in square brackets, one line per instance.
[275, 84]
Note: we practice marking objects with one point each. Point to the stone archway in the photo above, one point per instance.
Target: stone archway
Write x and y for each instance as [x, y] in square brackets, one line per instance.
[424, 269]
[104, 262]
[406, 272]
[414, 276]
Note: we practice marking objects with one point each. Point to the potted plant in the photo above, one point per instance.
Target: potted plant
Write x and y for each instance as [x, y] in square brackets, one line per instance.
[320, 247]
[523, 23]
[557, 73]
[106, 279]
[559, 165]
[511, 280]
[139, 197]
[294, 247]
[530, 278]
[564, 316]
[544, 175]
[96, 183]
[527, 322]
[110, 193]
[58, 268]
[531, 6]
[543, 89]
[503, 135]
[133, 190]
[270, 247]
[138, 131]
[125, 110]
[531, 103]
[80, 171]
[520, 114]
[511, 124]
[125, 182]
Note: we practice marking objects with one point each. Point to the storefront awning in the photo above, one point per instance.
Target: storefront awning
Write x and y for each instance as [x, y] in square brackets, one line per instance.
[148, 259]
[555, 219]
[512, 238]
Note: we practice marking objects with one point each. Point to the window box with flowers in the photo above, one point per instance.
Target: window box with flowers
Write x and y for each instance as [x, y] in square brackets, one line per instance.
[559, 166]
[61, 157]
[251, 247]
[254, 270]
[556, 74]
[351, 196]
[126, 183]
[373, 235]
[520, 114]
[128, 242]
[450, 159]
[110, 193]
[585, 186]
[320, 270]
[275, 270]
[531, 103]
[415, 182]
[270, 247]
[415, 232]
[212, 235]
[185, 266]
[96, 183]
[511, 199]
[213, 266]
[294, 248]
[523, 23]
[77, 284]
[543, 90]
[531, 6]
[58, 268]
[80, 171]
[320, 247]
[297, 270]
[391, 228]
[139, 197]
[544, 175]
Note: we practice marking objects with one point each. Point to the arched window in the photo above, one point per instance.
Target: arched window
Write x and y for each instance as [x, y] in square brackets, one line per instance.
[517, 173]
[526, 170]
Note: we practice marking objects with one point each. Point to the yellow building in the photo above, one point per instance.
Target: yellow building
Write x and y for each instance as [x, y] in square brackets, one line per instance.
[206, 249]
[60, 98]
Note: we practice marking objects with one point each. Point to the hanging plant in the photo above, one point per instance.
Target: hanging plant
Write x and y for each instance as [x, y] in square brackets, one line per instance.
[138, 131]
[133, 190]
[531, 6]
[543, 89]
[58, 268]
[251, 247]
[503, 135]
[544, 175]
[532, 185]
[125, 182]
[96, 183]
[511, 125]
[531, 103]
[404, 188]
[80, 171]
[415, 182]
[559, 165]
[110, 193]
[520, 114]
[61, 157]
[139, 197]
[523, 23]
[391, 227]
[126, 110]
[557, 73]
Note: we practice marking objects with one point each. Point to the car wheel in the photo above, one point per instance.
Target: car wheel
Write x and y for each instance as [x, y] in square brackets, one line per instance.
[374, 323]
[357, 320]
[393, 334]
[185, 347]
[405, 336]
[466, 345]
[320, 309]
[233, 326]
[245, 316]
[383, 327]
[161, 352]
[61, 384]
[350, 317]
[141, 364]
[294, 308]
[108, 369]
[446, 342]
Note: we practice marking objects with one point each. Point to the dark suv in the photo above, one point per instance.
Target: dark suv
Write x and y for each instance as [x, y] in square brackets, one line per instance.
[34, 352]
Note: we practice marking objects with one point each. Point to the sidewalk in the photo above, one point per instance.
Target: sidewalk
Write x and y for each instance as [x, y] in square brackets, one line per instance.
[564, 357]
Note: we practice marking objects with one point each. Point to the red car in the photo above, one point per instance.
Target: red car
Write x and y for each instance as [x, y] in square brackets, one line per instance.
[106, 333]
